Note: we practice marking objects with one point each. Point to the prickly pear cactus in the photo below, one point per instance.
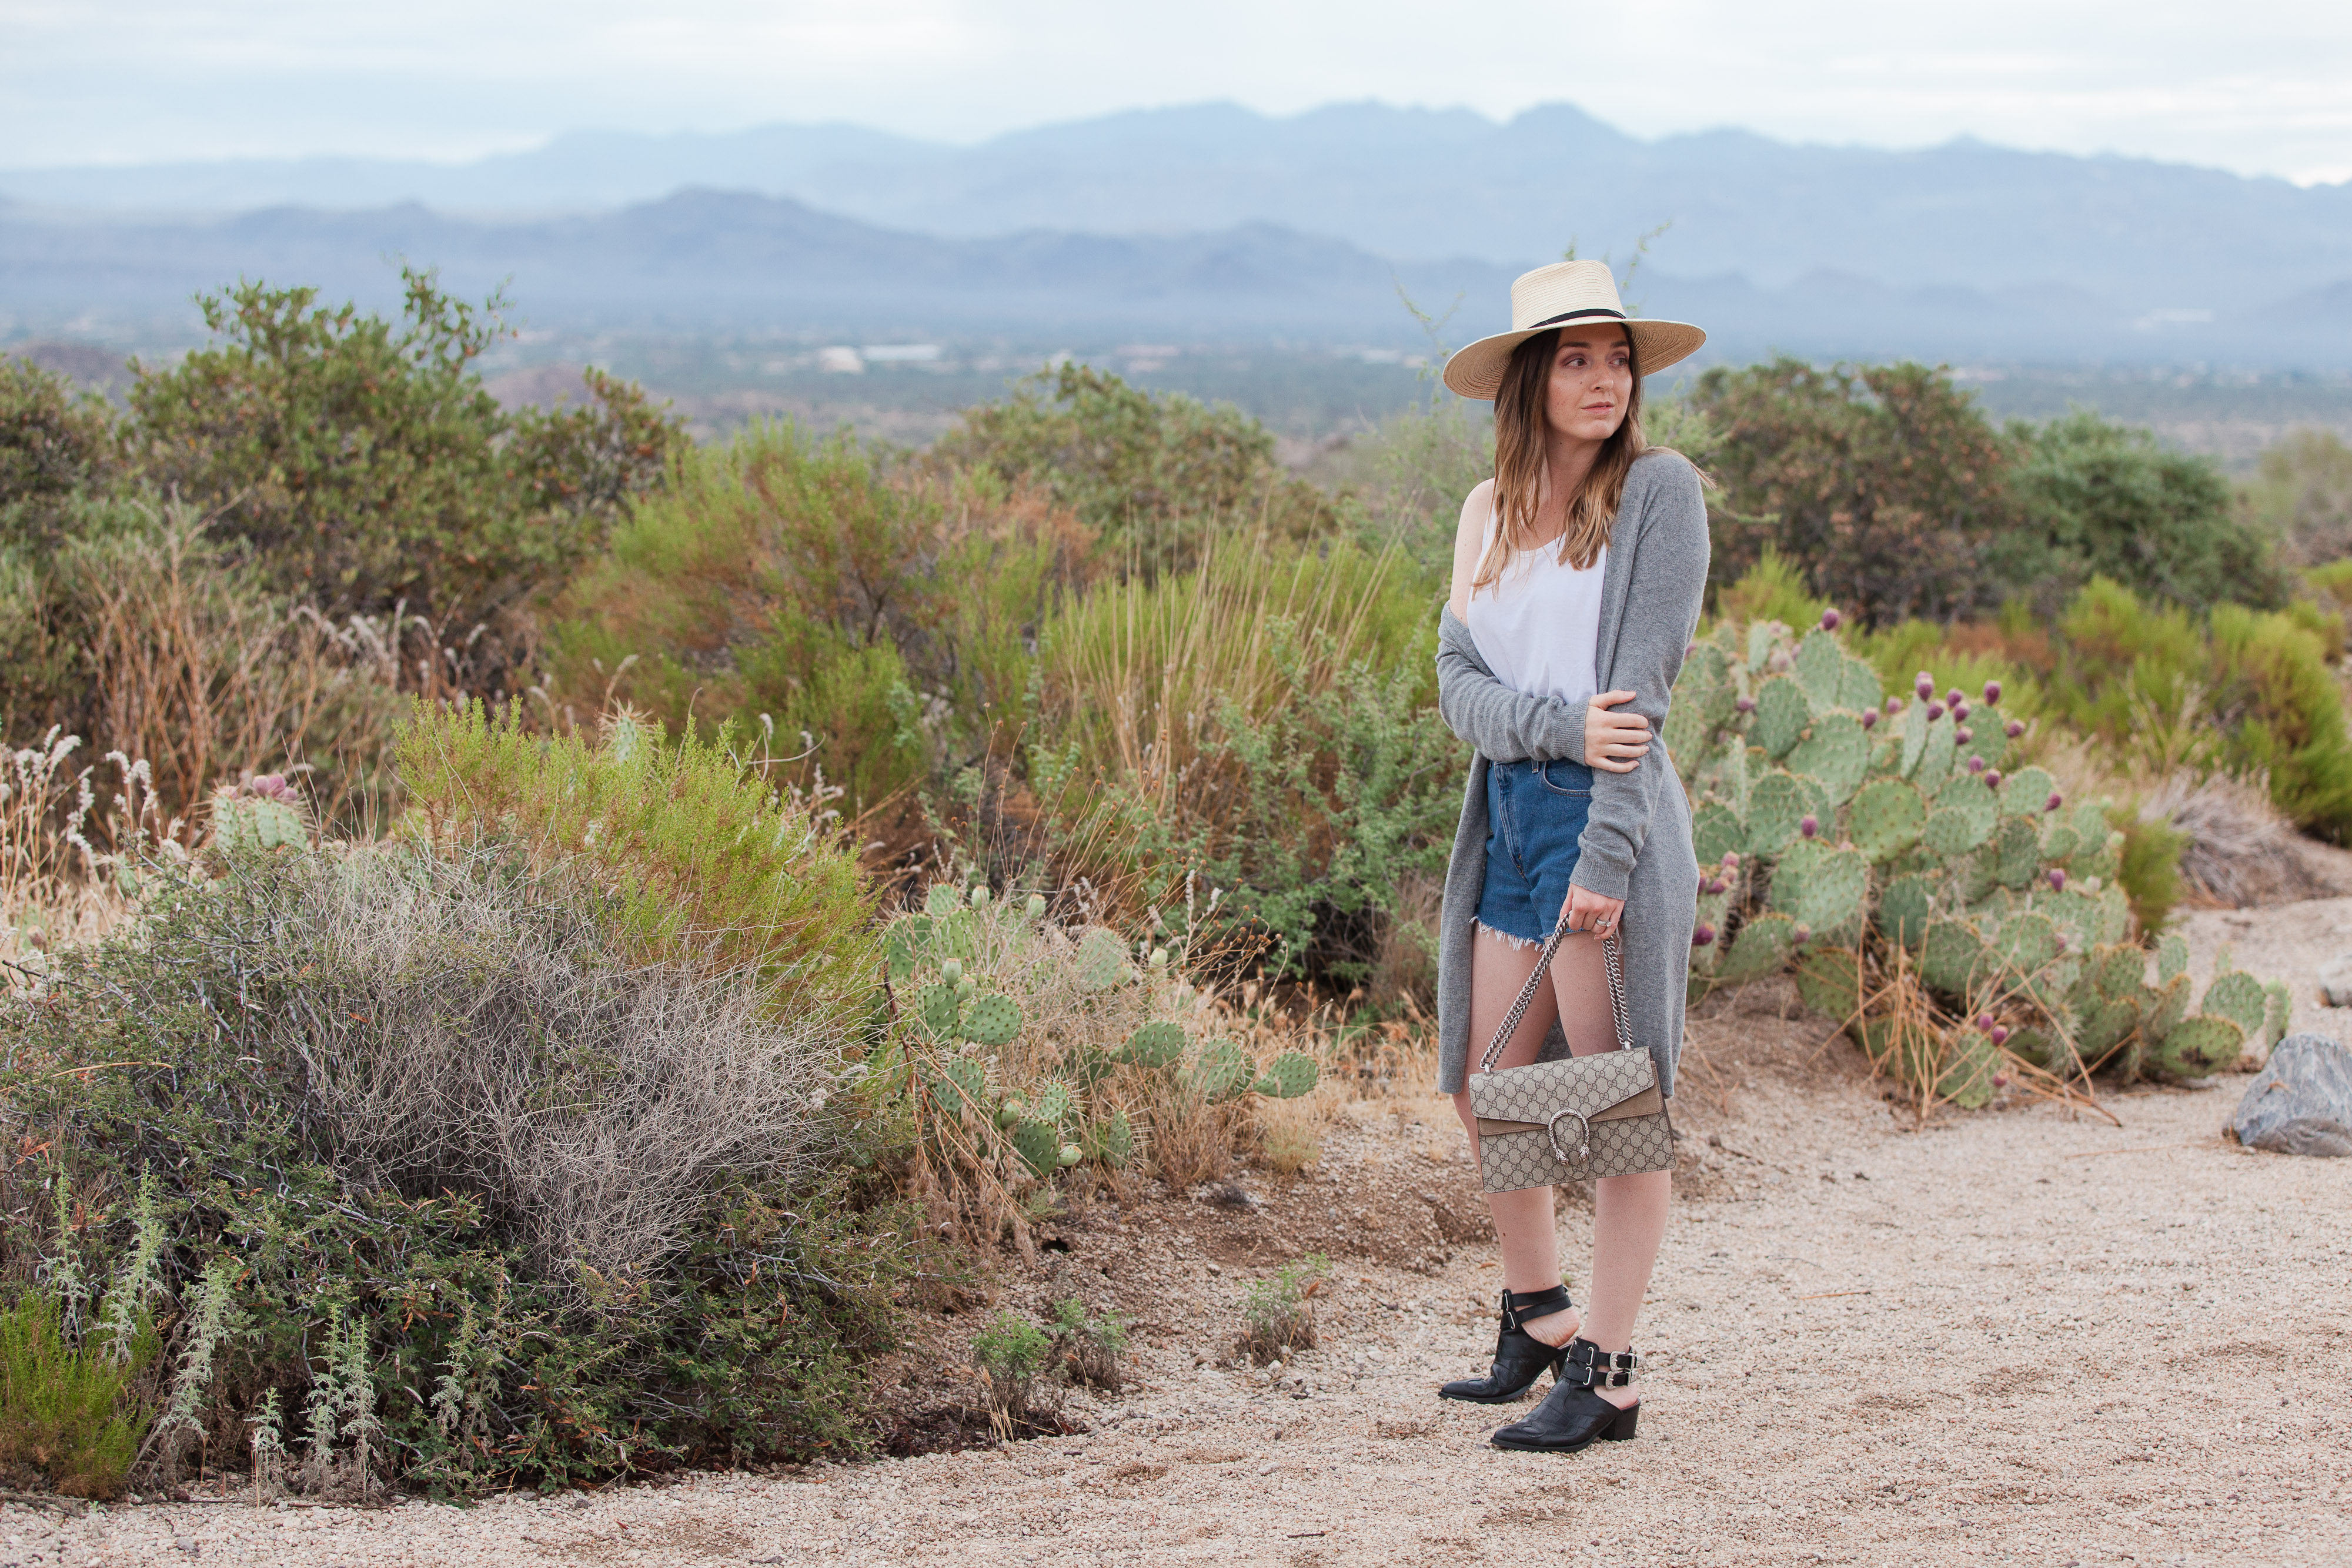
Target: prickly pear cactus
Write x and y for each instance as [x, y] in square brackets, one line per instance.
[2198, 1047]
[1039, 1145]
[993, 1021]
[941, 900]
[1224, 1071]
[1155, 1044]
[960, 1082]
[1885, 817]
[245, 823]
[2279, 1004]
[2171, 957]
[2238, 997]
[1782, 713]
[1102, 960]
[1110, 1140]
[1289, 1076]
[941, 1009]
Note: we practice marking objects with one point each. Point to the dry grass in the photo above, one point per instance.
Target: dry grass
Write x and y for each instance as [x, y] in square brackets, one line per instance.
[58, 885]
[469, 1032]
[2240, 850]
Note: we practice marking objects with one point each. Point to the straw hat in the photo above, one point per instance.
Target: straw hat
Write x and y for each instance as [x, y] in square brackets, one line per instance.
[1560, 295]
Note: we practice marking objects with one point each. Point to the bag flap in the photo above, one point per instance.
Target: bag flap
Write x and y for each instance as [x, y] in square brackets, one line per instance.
[1648, 1103]
[1589, 1085]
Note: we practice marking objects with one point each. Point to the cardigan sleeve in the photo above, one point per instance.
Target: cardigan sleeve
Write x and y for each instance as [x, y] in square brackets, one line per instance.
[1501, 725]
[1663, 594]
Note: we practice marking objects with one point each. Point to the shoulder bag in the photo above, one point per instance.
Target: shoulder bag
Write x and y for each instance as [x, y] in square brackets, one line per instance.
[1573, 1120]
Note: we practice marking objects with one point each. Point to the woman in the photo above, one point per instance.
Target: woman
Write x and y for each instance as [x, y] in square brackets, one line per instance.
[1578, 573]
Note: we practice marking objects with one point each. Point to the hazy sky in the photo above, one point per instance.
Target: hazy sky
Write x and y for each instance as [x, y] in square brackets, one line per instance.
[2259, 88]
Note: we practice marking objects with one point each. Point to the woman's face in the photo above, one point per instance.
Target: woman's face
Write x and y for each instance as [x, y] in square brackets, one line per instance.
[1591, 383]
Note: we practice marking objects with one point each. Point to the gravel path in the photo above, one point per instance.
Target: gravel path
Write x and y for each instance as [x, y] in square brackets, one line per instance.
[2024, 1336]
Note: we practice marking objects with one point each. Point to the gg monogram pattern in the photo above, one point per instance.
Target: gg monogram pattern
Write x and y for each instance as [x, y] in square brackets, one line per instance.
[1588, 1084]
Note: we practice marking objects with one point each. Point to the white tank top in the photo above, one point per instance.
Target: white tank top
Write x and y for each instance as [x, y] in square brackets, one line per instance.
[1538, 626]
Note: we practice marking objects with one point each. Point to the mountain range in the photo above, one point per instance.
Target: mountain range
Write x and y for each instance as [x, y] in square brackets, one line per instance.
[1216, 221]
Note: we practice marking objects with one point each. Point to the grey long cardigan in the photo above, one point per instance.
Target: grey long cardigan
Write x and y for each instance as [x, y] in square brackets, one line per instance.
[1637, 841]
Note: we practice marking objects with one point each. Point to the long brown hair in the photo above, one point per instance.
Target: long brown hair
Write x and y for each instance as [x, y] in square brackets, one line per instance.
[1520, 427]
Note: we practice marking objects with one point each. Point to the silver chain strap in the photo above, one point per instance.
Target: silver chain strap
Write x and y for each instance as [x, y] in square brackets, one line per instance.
[1543, 962]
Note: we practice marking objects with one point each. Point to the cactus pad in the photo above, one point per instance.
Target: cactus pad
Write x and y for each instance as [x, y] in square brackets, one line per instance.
[2278, 1006]
[941, 900]
[1761, 948]
[1763, 636]
[1110, 1140]
[1830, 982]
[1952, 956]
[2199, 1047]
[1102, 960]
[1051, 1104]
[1905, 910]
[1966, 1073]
[941, 1009]
[2105, 1027]
[1776, 804]
[1823, 888]
[250, 823]
[1039, 1145]
[993, 1021]
[1223, 1072]
[2024, 792]
[1961, 817]
[1936, 757]
[1837, 755]
[960, 1082]
[2238, 997]
[1885, 818]
[1782, 714]
[2016, 853]
[2171, 957]
[1716, 831]
[2116, 969]
[1156, 1044]
[2163, 1006]
[2026, 942]
[1289, 1076]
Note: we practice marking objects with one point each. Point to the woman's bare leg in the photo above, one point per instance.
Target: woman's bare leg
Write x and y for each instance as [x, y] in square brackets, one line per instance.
[1629, 1212]
[1525, 1227]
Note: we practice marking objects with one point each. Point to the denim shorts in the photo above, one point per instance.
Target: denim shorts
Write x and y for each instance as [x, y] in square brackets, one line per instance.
[1535, 823]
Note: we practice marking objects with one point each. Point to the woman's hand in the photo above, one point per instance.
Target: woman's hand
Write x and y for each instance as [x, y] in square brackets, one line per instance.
[1614, 742]
[1588, 911]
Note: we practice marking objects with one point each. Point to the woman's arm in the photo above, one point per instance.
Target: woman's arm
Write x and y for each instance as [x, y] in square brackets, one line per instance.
[1504, 725]
[1663, 598]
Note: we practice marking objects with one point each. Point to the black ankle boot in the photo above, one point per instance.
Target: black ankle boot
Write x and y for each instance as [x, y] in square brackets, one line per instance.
[1572, 1417]
[1519, 1358]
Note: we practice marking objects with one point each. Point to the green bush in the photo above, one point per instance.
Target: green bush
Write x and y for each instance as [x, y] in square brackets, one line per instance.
[826, 590]
[1158, 475]
[1278, 1315]
[696, 856]
[68, 1412]
[2301, 494]
[362, 463]
[54, 443]
[2103, 501]
[481, 1192]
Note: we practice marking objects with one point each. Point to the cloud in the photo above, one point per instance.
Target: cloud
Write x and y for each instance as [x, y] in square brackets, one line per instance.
[113, 80]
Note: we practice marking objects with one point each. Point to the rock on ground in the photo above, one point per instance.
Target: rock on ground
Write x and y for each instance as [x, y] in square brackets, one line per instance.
[2300, 1102]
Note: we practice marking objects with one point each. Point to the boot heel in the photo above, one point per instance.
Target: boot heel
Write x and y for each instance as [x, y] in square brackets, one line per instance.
[1622, 1429]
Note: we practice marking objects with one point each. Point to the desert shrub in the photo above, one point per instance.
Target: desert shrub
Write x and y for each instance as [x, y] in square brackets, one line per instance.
[1278, 1315]
[2234, 847]
[878, 610]
[1885, 484]
[1157, 475]
[477, 1189]
[1089, 1346]
[1023, 1049]
[2301, 495]
[54, 443]
[363, 464]
[68, 1411]
[2104, 500]
[1267, 724]
[1011, 1354]
[694, 854]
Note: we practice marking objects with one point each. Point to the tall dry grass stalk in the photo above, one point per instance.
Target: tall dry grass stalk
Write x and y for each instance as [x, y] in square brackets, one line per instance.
[57, 886]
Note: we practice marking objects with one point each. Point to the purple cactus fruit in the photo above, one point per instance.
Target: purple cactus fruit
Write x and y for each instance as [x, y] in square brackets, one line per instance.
[1935, 712]
[1975, 764]
[1830, 620]
[2062, 941]
[1925, 686]
[1894, 705]
[2000, 1033]
[1954, 696]
[2055, 801]
[1703, 936]
[1992, 779]
[1993, 694]
[2057, 879]
[1984, 1021]
[1959, 710]
[1808, 826]
[2014, 729]
[1731, 857]
[1745, 705]
[1963, 734]
[1801, 934]
[1870, 718]
[2000, 1080]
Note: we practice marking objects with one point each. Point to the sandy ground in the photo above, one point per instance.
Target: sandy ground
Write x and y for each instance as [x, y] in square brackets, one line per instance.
[2024, 1335]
